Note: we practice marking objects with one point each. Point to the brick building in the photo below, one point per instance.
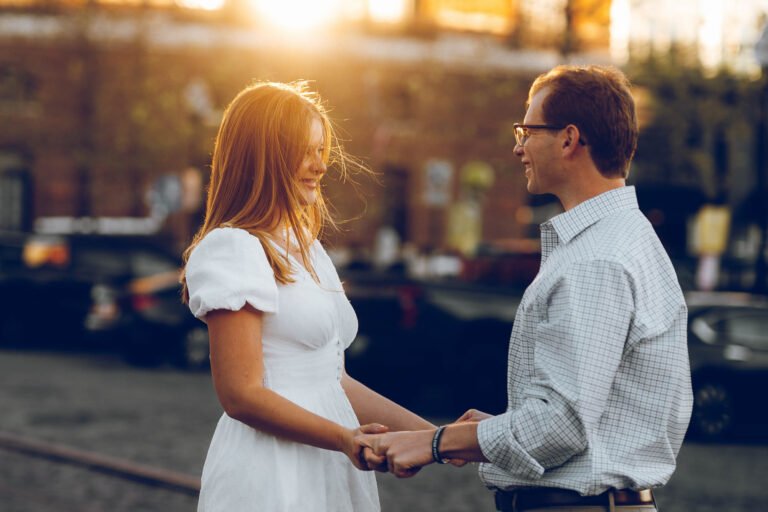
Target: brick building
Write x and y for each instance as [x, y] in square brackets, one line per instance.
[99, 106]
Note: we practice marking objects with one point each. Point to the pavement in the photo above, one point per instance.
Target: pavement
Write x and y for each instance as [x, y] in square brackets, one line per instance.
[164, 418]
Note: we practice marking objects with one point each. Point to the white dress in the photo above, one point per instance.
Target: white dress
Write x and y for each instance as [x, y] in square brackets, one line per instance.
[306, 328]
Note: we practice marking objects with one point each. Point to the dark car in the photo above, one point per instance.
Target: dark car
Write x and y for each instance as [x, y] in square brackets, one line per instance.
[437, 346]
[728, 346]
[97, 292]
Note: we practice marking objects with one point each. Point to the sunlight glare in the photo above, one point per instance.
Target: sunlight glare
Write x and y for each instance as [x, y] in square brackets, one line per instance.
[296, 15]
[711, 33]
[206, 5]
[387, 11]
[620, 30]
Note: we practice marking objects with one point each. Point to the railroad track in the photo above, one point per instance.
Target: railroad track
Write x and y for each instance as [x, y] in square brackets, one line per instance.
[114, 466]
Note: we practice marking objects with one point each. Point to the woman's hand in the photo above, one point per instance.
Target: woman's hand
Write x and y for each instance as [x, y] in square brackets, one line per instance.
[359, 453]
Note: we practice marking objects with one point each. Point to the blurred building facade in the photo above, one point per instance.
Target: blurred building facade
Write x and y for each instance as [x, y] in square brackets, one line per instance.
[106, 107]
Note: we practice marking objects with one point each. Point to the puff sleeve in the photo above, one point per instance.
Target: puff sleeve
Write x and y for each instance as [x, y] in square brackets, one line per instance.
[227, 269]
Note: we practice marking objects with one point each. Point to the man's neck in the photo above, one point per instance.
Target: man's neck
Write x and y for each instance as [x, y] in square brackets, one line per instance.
[587, 189]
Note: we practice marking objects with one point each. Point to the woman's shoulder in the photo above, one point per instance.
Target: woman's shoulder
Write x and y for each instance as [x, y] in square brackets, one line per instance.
[227, 268]
[225, 244]
[227, 235]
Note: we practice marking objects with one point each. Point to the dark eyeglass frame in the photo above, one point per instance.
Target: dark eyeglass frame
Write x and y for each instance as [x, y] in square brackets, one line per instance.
[521, 137]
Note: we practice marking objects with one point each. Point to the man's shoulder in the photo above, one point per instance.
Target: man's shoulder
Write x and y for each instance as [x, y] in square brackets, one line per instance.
[623, 236]
[629, 241]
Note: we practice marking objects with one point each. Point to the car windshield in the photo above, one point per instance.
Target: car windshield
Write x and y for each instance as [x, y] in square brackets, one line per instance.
[746, 327]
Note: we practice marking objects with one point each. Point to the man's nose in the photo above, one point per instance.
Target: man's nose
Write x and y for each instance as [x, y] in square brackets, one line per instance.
[519, 150]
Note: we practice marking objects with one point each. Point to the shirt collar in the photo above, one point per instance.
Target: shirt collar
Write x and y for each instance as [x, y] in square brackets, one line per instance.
[572, 222]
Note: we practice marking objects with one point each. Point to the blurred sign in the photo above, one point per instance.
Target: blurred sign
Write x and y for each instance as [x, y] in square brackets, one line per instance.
[465, 227]
[438, 182]
[761, 48]
[165, 195]
[477, 175]
[199, 101]
[191, 189]
[15, 183]
[711, 227]
[100, 225]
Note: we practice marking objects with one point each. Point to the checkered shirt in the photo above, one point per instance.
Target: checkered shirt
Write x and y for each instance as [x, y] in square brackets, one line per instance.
[599, 391]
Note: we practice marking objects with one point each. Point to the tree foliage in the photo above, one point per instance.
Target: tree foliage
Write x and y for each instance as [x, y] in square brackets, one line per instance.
[700, 127]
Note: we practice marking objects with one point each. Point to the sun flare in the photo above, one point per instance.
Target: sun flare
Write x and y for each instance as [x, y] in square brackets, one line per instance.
[206, 5]
[297, 15]
[387, 11]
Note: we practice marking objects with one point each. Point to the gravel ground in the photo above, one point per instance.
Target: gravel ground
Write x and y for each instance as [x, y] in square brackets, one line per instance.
[165, 418]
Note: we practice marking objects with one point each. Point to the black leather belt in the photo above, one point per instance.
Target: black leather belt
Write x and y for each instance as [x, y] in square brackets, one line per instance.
[528, 499]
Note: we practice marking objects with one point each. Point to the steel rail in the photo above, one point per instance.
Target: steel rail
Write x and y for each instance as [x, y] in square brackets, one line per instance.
[115, 466]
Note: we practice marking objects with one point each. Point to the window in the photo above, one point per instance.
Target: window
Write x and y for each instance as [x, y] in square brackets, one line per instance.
[747, 327]
[17, 86]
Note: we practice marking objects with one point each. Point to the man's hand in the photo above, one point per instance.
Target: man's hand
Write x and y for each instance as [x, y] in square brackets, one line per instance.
[360, 454]
[473, 415]
[406, 452]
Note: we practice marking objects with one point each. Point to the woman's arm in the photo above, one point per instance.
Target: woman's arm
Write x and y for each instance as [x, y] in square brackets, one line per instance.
[237, 368]
[372, 407]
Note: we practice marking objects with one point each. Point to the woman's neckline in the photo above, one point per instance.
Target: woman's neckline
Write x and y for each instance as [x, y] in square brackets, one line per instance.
[297, 261]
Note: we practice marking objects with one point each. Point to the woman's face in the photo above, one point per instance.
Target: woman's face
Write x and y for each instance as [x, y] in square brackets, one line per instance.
[312, 166]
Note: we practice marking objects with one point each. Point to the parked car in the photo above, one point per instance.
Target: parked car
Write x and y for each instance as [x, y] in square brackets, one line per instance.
[97, 292]
[728, 346]
[437, 346]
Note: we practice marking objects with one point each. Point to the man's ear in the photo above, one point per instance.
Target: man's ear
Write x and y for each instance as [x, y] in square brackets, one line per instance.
[572, 136]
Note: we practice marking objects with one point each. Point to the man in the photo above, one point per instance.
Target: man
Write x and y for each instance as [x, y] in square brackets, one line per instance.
[598, 380]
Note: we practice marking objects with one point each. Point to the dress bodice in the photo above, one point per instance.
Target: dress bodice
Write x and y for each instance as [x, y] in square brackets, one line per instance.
[307, 324]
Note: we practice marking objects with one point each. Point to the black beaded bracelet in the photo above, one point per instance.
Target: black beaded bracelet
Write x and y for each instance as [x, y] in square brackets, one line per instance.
[436, 446]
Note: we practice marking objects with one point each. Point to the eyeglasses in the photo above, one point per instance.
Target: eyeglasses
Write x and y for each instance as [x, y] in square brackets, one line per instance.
[523, 132]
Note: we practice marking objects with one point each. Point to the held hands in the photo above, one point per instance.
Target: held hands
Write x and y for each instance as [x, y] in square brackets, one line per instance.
[401, 453]
[359, 453]
[404, 453]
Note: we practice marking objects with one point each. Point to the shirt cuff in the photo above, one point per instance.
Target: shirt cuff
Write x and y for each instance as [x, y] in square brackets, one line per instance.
[497, 441]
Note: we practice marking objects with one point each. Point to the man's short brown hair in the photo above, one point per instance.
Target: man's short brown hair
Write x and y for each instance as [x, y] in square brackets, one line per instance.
[596, 99]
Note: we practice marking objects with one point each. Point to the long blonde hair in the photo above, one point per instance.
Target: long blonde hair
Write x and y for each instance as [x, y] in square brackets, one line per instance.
[262, 140]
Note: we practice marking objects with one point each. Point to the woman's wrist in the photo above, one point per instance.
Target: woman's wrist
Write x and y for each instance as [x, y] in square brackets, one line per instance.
[344, 439]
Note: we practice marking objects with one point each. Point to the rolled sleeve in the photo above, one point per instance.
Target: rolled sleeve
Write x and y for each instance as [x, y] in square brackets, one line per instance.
[496, 437]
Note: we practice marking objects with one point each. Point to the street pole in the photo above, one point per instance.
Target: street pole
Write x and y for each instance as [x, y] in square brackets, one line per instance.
[759, 285]
[761, 53]
[89, 76]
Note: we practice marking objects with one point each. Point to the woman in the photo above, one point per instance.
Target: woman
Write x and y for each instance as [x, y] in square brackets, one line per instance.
[278, 319]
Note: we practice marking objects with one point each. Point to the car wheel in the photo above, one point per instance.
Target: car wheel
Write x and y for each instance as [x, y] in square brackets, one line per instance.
[713, 411]
[195, 348]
